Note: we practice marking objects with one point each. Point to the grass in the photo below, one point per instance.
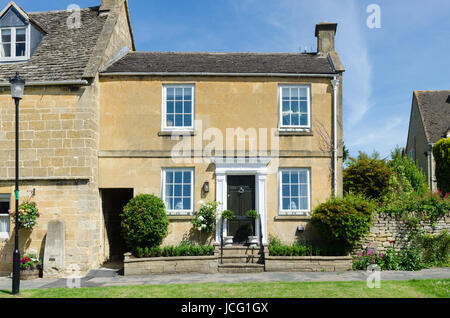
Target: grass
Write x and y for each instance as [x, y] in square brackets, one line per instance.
[437, 288]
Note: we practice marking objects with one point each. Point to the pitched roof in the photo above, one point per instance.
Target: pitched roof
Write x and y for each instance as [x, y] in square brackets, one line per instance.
[222, 63]
[64, 53]
[434, 107]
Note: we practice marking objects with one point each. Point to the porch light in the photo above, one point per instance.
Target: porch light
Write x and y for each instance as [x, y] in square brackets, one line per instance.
[206, 187]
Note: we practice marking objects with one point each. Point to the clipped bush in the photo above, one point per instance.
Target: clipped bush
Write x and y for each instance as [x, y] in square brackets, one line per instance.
[367, 175]
[344, 220]
[441, 152]
[144, 222]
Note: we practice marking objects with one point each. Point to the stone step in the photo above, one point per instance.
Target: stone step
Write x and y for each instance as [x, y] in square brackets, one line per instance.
[241, 268]
[243, 250]
[240, 258]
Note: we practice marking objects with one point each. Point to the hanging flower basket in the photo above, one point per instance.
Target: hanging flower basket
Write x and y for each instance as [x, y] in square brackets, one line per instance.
[28, 215]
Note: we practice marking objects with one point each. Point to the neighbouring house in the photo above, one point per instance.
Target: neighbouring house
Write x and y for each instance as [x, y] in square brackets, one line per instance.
[429, 122]
[59, 54]
[101, 124]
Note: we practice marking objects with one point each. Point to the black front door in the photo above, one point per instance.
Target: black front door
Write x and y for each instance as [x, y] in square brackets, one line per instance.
[241, 198]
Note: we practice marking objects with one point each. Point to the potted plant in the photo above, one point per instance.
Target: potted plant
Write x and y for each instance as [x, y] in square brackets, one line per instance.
[30, 267]
[228, 215]
[252, 215]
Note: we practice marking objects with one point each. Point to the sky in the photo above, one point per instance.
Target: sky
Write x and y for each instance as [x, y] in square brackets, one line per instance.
[409, 51]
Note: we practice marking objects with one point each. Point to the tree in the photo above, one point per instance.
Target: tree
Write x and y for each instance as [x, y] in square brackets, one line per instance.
[367, 175]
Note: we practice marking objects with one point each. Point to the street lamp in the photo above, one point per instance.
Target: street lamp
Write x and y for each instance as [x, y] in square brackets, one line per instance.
[17, 88]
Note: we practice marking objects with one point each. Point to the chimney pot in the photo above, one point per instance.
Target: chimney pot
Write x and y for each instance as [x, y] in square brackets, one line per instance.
[325, 33]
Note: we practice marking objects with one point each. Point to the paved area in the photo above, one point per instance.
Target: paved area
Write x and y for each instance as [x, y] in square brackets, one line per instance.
[112, 277]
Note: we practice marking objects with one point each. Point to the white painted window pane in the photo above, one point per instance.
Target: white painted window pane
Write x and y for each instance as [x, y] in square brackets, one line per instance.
[20, 49]
[5, 50]
[4, 224]
[6, 36]
[20, 35]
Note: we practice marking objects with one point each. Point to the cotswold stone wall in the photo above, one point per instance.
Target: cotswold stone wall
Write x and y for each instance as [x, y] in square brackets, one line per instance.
[387, 229]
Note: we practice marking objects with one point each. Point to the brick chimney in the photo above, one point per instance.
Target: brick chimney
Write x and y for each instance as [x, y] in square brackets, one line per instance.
[325, 33]
[108, 5]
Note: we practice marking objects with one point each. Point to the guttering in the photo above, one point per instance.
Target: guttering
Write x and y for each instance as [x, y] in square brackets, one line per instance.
[335, 83]
[431, 174]
[48, 83]
[215, 74]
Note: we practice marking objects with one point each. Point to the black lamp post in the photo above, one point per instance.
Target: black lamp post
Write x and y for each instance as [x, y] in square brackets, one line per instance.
[17, 88]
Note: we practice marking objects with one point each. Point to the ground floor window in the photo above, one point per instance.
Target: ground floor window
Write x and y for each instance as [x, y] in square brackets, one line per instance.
[4, 215]
[178, 190]
[295, 191]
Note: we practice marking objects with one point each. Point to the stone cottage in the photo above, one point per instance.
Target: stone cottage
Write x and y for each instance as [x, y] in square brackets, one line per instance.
[429, 123]
[101, 123]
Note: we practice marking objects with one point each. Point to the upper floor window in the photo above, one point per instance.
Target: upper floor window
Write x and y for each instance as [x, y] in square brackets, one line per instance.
[178, 107]
[4, 215]
[295, 107]
[13, 43]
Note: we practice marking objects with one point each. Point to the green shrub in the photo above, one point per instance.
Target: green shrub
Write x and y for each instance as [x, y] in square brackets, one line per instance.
[276, 248]
[410, 177]
[144, 222]
[428, 207]
[436, 249]
[205, 218]
[343, 220]
[441, 152]
[368, 176]
[411, 258]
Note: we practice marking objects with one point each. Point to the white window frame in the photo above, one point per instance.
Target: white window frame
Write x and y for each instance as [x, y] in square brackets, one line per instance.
[163, 190]
[6, 198]
[283, 212]
[299, 127]
[164, 109]
[13, 56]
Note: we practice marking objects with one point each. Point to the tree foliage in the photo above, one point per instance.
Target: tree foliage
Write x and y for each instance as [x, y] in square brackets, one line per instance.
[441, 152]
[367, 175]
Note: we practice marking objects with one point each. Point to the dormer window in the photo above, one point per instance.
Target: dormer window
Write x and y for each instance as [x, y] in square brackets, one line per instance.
[19, 35]
[13, 44]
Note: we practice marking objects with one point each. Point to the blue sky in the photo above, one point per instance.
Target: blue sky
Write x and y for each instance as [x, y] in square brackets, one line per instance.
[384, 66]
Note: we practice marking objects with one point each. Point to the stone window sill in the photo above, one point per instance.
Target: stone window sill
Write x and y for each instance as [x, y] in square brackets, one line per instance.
[292, 218]
[289, 133]
[176, 133]
[180, 217]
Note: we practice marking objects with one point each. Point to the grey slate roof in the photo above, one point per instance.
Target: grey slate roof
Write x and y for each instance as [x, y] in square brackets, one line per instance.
[434, 107]
[63, 53]
[170, 62]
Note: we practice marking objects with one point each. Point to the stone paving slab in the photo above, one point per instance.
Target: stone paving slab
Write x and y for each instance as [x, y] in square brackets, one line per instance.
[107, 277]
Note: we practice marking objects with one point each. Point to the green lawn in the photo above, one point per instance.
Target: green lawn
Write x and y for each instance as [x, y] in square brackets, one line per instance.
[389, 289]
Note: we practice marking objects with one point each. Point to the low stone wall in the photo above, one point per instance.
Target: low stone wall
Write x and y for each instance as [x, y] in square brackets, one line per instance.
[308, 263]
[170, 265]
[388, 229]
